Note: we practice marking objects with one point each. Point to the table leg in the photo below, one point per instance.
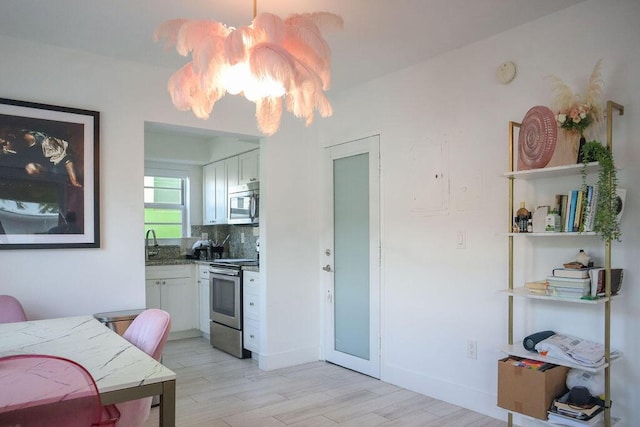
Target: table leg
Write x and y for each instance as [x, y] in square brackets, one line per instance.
[168, 404]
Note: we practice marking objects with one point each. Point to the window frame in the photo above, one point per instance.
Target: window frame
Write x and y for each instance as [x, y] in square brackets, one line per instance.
[183, 207]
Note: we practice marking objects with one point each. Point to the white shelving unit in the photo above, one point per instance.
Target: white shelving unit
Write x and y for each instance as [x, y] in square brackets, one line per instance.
[524, 293]
[553, 172]
[512, 292]
[553, 234]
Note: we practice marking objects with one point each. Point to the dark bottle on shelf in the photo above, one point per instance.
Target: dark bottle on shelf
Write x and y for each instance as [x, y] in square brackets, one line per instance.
[522, 217]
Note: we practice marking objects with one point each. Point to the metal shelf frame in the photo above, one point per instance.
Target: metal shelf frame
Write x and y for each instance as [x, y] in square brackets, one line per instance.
[512, 175]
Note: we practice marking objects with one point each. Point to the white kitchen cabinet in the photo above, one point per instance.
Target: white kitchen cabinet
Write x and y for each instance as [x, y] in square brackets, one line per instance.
[203, 289]
[219, 176]
[233, 171]
[214, 177]
[171, 288]
[249, 167]
[251, 310]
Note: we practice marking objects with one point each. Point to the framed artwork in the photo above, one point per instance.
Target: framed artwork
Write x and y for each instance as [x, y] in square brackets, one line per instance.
[49, 192]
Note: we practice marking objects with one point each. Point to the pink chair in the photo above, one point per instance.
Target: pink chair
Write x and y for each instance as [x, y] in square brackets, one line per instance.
[11, 310]
[149, 332]
[48, 391]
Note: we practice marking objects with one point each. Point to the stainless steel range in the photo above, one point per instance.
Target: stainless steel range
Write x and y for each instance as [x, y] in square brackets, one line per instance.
[225, 306]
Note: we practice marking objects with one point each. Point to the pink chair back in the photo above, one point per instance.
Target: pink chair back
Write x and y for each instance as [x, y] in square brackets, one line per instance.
[11, 310]
[42, 390]
[149, 332]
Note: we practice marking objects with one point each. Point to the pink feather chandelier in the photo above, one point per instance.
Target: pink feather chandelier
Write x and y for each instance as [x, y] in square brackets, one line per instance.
[273, 62]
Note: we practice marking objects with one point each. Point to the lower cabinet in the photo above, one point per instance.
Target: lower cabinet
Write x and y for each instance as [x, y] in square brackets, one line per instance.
[171, 288]
[203, 290]
[251, 310]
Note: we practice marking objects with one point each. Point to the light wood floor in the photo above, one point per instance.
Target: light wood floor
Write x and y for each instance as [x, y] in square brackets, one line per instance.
[216, 389]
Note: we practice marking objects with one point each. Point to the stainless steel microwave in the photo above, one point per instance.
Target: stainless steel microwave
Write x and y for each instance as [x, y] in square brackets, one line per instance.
[244, 204]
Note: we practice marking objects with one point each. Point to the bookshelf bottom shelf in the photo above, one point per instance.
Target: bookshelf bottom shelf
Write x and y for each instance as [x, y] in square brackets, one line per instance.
[533, 422]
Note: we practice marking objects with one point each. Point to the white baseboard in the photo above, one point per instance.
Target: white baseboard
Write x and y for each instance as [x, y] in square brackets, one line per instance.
[269, 362]
[456, 394]
[179, 335]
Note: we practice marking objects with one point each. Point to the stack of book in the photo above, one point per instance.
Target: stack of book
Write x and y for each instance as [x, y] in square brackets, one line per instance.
[537, 288]
[569, 414]
[569, 283]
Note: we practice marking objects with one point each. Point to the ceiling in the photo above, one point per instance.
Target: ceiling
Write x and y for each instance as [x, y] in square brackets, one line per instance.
[379, 36]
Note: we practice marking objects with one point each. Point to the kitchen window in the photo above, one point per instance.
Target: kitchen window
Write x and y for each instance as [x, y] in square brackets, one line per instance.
[165, 209]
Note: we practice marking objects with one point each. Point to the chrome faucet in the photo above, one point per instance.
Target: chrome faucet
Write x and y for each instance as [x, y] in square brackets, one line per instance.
[148, 253]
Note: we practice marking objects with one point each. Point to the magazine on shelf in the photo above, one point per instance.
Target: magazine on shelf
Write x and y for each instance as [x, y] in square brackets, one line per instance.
[574, 350]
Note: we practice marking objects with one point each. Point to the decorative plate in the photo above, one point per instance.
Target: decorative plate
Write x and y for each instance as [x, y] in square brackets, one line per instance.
[537, 138]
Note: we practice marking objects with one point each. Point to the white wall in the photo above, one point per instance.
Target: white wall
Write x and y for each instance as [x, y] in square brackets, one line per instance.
[436, 297]
[54, 283]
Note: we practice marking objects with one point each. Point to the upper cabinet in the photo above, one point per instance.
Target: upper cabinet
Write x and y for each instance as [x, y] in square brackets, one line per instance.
[233, 173]
[249, 167]
[219, 176]
[214, 177]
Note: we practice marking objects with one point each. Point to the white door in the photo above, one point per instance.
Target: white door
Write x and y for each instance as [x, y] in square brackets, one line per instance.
[351, 256]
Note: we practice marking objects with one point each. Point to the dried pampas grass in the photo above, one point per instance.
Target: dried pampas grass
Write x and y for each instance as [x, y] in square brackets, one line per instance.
[567, 104]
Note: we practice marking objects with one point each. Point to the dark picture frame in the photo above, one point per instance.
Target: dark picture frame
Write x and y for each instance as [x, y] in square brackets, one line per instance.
[49, 176]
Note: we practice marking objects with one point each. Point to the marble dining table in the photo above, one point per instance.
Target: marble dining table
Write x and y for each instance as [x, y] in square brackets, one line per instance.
[121, 371]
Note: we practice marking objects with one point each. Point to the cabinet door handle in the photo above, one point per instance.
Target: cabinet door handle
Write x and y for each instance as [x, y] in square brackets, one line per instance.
[251, 336]
[251, 304]
[251, 280]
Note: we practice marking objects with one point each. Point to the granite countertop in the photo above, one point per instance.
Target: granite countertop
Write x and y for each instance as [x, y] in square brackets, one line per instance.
[170, 261]
[182, 261]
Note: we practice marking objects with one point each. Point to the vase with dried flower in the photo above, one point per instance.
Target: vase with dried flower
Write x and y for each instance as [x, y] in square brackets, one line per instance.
[577, 119]
[576, 113]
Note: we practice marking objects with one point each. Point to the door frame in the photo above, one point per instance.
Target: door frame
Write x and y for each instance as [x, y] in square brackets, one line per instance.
[367, 144]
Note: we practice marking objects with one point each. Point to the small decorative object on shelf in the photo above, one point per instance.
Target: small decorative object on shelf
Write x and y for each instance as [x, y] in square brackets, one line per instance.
[539, 219]
[552, 221]
[522, 218]
[537, 138]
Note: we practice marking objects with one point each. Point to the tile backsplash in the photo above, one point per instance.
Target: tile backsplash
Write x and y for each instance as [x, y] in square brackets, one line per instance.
[234, 247]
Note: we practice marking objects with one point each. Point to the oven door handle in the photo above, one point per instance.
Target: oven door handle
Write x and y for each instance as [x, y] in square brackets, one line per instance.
[223, 272]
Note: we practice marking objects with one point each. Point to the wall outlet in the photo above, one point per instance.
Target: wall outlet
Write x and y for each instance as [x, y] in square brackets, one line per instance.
[472, 349]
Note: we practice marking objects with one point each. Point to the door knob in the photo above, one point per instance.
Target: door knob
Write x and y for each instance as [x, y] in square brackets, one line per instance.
[327, 268]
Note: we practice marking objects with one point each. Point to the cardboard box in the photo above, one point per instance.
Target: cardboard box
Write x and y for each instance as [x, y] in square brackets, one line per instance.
[529, 391]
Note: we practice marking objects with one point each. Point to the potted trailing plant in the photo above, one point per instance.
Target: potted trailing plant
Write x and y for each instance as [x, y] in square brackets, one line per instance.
[577, 113]
[606, 209]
